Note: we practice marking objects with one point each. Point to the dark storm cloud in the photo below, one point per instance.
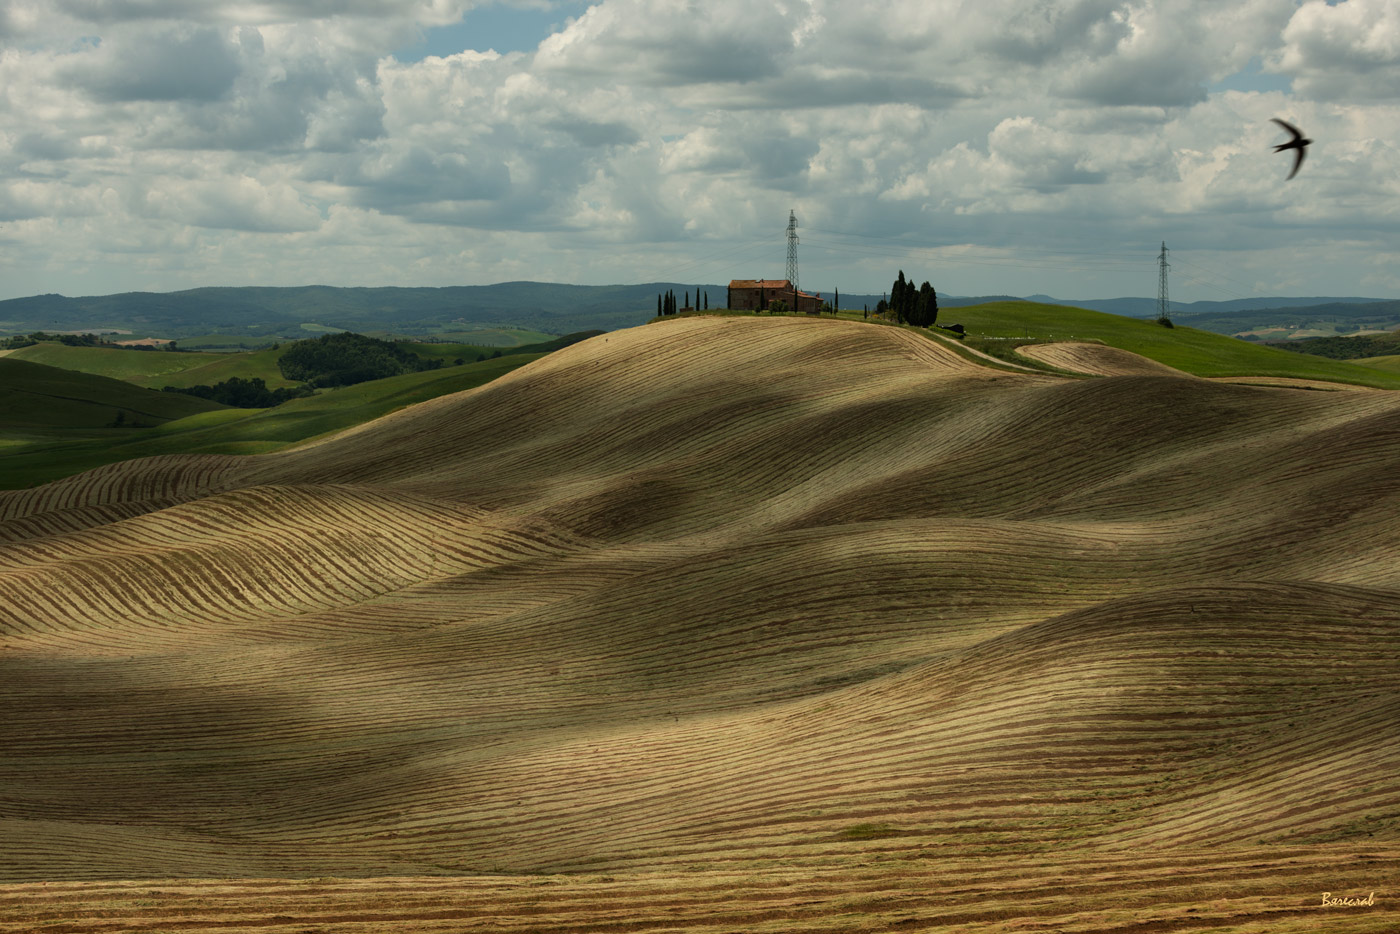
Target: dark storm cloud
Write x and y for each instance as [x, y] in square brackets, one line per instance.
[1047, 30]
[174, 65]
[118, 11]
[782, 161]
[807, 88]
[591, 134]
[722, 59]
[395, 181]
[1157, 83]
[44, 146]
[223, 88]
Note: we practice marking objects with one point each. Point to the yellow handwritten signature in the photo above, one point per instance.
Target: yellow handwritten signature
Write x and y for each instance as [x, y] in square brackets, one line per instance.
[1336, 901]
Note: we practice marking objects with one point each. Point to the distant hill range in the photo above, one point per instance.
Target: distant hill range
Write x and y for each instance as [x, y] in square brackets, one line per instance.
[268, 312]
[554, 308]
[280, 312]
[1147, 307]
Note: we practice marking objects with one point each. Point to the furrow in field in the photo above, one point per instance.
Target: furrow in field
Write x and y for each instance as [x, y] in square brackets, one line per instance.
[709, 595]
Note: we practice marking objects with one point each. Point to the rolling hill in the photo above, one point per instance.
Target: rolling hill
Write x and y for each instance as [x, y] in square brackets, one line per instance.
[47, 451]
[158, 369]
[38, 400]
[996, 326]
[717, 624]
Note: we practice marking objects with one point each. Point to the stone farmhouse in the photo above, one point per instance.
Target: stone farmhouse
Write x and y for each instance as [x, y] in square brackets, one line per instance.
[752, 294]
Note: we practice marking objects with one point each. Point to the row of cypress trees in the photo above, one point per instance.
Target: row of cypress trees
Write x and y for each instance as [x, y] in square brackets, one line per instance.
[666, 302]
[910, 305]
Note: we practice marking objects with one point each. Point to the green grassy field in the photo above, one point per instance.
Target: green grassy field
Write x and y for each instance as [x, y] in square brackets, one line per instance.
[111, 361]
[156, 369]
[447, 353]
[215, 368]
[225, 343]
[495, 338]
[39, 401]
[35, 459]
[1389, 363]
[1200, 353]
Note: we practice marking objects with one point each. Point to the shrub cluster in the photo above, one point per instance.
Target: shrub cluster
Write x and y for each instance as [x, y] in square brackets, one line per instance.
[1345, 348]
[244, 393]
[346, 359]
[74, 340]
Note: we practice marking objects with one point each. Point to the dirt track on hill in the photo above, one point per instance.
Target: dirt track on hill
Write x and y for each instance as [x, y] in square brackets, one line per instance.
[1097, 360]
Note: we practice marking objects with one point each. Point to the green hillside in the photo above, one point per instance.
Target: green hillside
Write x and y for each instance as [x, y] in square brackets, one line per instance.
[111, 361]
[496, 337]
[225, 431]
[40, 401]
[215, 368]
[156, 369]
[1389, 363]
[224, 343]
[467, 352]
[1202, 353]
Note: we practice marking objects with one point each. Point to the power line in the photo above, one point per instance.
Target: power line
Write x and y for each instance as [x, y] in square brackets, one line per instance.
[965, 259]
[1214, 272]
[967, 254]
[879, 246]
[914, 244]
[721, 254]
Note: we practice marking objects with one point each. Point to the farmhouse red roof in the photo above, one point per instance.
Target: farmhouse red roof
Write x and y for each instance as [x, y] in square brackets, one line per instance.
[760, 284]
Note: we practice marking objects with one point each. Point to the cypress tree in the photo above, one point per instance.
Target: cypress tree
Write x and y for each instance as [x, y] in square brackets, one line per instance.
[905, 299]
[707, 299]
[836, 303]
[658, 304]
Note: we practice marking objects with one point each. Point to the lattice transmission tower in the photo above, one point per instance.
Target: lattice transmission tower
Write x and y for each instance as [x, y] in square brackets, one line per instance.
[792, 249]
[1162, 267]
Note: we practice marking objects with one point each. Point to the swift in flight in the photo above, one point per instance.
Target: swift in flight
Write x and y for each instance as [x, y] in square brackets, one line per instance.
[1298, 142]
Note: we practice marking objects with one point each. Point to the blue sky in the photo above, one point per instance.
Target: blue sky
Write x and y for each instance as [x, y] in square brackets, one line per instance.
[989, 146]
[496, 26]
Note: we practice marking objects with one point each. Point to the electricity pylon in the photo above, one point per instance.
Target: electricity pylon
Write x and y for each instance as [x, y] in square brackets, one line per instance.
[792, 250]
[1162, 267]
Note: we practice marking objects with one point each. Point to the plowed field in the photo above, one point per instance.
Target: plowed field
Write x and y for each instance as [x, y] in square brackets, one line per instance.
[722, 624]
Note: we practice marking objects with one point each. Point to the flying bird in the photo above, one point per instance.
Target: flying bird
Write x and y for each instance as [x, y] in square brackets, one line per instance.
[1298, 142]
